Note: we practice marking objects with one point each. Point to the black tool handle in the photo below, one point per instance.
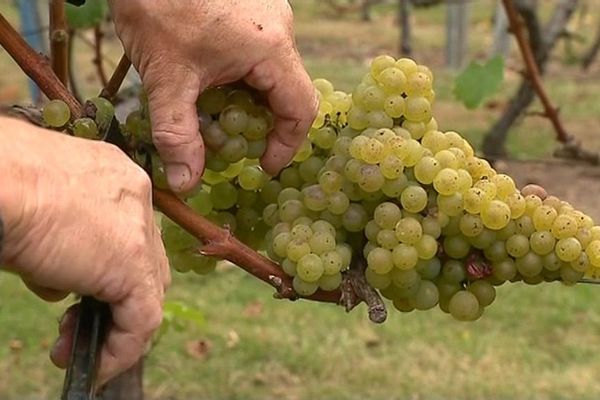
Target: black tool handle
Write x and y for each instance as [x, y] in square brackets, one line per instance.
[88, 337]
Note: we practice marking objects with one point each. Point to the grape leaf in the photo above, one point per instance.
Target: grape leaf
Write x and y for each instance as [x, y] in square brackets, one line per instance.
[87, 15]
[479, 81]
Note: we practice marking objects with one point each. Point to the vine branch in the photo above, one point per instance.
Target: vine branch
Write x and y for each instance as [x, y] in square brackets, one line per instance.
[98, 35]
[59, 40]
[533, 72]
[218, 241]
[115, 81]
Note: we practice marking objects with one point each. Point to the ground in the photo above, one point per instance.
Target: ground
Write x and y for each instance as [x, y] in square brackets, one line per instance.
[535, 342]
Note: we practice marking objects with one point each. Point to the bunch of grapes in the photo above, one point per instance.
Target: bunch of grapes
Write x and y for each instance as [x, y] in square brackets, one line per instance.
[378, 187]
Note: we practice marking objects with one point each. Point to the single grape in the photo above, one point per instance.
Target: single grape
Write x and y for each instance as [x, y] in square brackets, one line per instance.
[56, 113]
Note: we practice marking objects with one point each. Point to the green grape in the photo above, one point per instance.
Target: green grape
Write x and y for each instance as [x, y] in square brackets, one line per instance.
[392, 79]
[291, 209]
[104, 112]
[484, 240]
[429, 269]
[394, 106]
[331, 182]
[570, 276]
[451, 205]
[525, 225]
[410, 152]
[270, 215]
[323, 226]
[414, 199]
[504, 270]
[551, 262]
[280, 243]
[330, 282]
[387, 214]
[408, 230]
[301, 231]
[427, 296]
[234, 120]
[427, 169]
[379, 119]
[377, 281]
[496, 252]
[234, 149]
[394, 187]
[322, 242]
[380, 260]
[214, 164]
[581, 264]
[464, 306]
[529, 265]
[593, 252]
[324, 137]
[405, 256]
[474, 200]
[309, 268]
[223, 195]
[201, 203]
[564, 226]
[233, 170]
[446, 181]
[448, 159]
[391, 167]
[288, 266]
[214, 136]
[338, 203]
[456, 246]
[247, 218]
[269, 192]
[435, 141]
[568, 249]
[314, 198]
[418, 109]
[431, 226]
[304, 152]
[56, 113]
[251, 177]
[386, 238]
[483, 291]
[370, 178]
[403, 305]
[584, 235]
[212, 100]
[296, 249]
[373, 151]
[427, 247]
[517, 245]
[256, 148]
[309, 169]
[495, 215]
[304, 288]
[471, 225]
[332, 262]
[357, 118]
[506, 232]
[542, 242]
[407, 279]
[355, 218]
[543, 217]
[85, 128]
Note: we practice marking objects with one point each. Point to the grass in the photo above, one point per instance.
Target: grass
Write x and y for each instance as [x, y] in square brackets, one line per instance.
[534, 342]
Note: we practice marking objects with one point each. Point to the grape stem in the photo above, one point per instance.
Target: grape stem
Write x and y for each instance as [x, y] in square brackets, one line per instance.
[59, 40]
[218, 241]
[533, 72]
[355, 289]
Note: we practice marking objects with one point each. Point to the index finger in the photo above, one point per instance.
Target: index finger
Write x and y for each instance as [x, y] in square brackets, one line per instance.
[292, 98]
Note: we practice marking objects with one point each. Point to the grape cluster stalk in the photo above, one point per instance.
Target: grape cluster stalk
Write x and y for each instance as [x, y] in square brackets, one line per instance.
[376, 183]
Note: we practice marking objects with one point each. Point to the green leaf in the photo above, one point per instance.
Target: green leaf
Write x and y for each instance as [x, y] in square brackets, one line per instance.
[479, 81]
[178, 314]
[91, 14]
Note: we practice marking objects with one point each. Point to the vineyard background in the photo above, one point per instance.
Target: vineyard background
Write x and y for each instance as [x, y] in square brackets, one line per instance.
[536, 342]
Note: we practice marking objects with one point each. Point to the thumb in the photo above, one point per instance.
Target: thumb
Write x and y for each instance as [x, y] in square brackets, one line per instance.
[172, 94]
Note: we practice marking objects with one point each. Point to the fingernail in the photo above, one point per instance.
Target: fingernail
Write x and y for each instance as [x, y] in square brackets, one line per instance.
[178, 176]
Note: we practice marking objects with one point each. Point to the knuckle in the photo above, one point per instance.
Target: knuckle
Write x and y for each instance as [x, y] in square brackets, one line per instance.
[139, 180]
[172, 134]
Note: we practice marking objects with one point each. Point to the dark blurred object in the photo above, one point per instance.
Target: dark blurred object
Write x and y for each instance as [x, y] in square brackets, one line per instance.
[425, 3]
[76, 2]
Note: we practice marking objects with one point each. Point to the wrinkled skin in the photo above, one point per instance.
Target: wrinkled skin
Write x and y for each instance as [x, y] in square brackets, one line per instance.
[78, 218]
[181, 48]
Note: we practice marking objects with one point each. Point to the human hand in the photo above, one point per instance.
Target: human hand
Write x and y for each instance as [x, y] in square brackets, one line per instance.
[181, 48]
[78, 218]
